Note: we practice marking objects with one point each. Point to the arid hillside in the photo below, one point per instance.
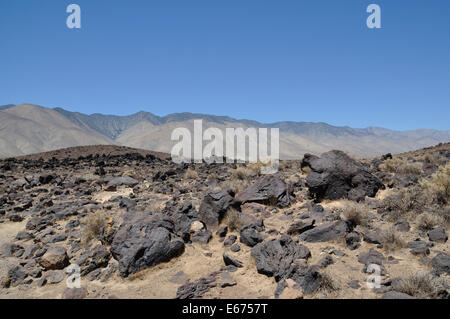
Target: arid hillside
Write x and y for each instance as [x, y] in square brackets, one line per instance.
[28, 129]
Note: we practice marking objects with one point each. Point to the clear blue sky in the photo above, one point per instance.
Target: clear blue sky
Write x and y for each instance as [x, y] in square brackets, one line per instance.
[266, 60]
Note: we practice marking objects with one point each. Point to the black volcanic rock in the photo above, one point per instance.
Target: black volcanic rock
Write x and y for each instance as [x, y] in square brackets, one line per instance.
[275, 257]
[335, 175]
[268, 190]
[326, 232]
[214, 206]
[145, 240]
[250, 235]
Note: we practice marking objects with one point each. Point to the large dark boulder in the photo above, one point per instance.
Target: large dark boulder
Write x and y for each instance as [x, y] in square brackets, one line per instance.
[145, 240]
[274, 257]
[326, 232]
[267, 190]
[214, 206]
[335, 175]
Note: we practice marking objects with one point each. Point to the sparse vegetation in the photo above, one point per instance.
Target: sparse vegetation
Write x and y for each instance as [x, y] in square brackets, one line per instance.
[439, 185]
[232, 219]
[356, 213]
[191, 174]
[404, 203]
[235, 186]
[93, 225]
[255, 167]
[429, 158]
[427, 221]
[391, 165]
[241, 173]
[392, 240]
[420, 285]
[328, 286]
[401, 166]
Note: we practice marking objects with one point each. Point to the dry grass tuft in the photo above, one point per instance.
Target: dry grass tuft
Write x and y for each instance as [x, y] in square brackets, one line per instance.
[232, 219]
[190, 174]
[420, 285]
[235, 186]
[241, 173]
[426, 221]
[356, 213]
[439, 185]
[404, 203]
[401, 166]
[429, 158]
[93, 225]
[392, 240]
[328, 287]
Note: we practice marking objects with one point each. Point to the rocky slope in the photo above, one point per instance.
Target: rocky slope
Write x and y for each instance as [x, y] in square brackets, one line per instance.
[136, 225]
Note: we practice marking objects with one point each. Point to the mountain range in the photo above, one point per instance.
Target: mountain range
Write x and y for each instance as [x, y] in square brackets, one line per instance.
[27, 129]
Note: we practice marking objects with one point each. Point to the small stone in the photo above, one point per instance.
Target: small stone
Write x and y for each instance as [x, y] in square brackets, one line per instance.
[54, 276]
[235, 248]
[231, 261]
[226, 280]
[438, 235]
[402, 225]
[354, 284]
[231, 239]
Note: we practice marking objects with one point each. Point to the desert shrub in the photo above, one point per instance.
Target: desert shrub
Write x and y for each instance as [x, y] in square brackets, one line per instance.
[232, 219]
[356, 213]
[429, 158]
[443, 212]
[392, 240]
[93, 225]
[427, 221]
[255, 167]
[439, 184]
[241, 173]
[190, 174]
[294, 179]
[285, 165]
[401, 166]
[410, 169]
[235, 186]
[420, 285]
[212, 177]
[402, 204]
[391, 165]
[328, 287]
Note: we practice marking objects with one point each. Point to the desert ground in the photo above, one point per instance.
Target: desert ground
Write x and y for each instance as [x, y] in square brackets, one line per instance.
[139, 226]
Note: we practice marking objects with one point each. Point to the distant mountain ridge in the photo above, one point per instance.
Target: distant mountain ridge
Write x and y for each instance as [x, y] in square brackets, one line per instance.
[27, 129]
